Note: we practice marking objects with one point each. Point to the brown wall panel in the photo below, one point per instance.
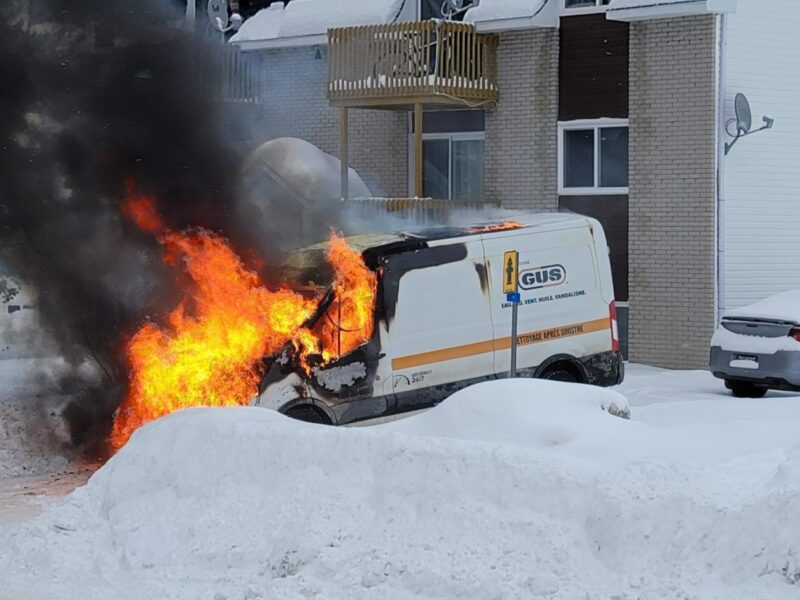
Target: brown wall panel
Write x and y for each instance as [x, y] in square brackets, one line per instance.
[593, 68]
[612, 212]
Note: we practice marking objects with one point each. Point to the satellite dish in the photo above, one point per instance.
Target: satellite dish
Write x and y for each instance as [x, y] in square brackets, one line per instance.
[218, 13]
[744, 118]
[744, 121]
[451, 8]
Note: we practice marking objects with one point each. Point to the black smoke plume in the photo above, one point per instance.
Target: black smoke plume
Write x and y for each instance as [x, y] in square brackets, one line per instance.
[94, 94]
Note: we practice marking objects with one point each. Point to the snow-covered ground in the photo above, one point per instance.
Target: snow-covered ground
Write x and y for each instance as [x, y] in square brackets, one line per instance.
[512, 489]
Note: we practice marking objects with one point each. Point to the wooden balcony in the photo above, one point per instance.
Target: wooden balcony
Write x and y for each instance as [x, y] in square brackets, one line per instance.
[400, 65]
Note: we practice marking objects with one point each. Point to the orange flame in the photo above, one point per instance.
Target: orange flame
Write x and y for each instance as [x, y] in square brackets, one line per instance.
[497, 226]
[141, 209]
[209, 351]
[350, 316]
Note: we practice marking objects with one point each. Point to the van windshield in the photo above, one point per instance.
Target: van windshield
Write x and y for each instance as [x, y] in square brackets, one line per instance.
[308, 271]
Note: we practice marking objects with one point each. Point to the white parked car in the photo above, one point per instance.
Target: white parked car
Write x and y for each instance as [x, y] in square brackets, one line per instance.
[757, 348]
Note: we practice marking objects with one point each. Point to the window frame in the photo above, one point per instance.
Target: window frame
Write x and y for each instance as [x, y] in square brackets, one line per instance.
[582, 10]
[458, 136]
[596, 125]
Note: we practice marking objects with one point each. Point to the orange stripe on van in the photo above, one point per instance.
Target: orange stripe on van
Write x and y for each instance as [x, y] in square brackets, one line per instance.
[523, 339]
[415, 360]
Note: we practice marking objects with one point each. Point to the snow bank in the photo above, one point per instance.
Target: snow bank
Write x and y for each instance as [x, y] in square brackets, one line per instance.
[314, 17]
[780, 307]
[244, 503]
[546, 413]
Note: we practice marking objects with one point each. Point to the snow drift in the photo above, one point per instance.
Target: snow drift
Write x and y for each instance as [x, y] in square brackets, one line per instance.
[523, 489]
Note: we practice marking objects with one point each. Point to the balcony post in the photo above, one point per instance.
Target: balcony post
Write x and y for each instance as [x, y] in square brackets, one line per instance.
[344, 179]
[418, 150]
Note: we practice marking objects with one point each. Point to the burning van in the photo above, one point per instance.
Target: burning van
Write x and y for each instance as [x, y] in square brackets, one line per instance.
[439, 320]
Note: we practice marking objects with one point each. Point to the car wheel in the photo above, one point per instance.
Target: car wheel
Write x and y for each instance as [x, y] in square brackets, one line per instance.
[745, 389]
[559, 375]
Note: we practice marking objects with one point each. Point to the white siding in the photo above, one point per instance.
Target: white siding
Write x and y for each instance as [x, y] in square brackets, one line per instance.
[761, 175]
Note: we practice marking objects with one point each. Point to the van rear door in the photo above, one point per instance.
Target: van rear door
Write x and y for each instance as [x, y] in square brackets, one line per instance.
[562, 310]
[439, 327]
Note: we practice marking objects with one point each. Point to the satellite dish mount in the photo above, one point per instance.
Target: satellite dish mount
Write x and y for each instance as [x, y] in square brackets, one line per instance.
[743, 121]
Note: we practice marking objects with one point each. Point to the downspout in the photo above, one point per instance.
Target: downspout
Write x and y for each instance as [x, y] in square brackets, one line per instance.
[720, 237]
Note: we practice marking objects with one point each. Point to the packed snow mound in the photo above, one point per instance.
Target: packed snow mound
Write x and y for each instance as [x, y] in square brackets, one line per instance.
[780, 307]
[314, 17]
[526, 412]
[245, 503]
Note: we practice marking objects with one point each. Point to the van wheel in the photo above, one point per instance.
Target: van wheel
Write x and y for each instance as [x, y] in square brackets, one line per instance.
[745, 389]
[559, 375]
[309, 414]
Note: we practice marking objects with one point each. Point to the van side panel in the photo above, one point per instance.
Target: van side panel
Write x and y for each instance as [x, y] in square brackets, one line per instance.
[563, 310]
[441, 331]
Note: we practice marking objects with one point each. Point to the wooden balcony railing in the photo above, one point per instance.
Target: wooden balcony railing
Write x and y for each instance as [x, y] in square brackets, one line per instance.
[237, 76]
[429, 62]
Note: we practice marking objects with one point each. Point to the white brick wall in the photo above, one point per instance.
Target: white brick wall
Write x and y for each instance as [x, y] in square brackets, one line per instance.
[295, 105]
[672, 190]
[521, 133]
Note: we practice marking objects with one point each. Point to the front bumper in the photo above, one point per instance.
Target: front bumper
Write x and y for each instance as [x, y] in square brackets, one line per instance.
[780, 370]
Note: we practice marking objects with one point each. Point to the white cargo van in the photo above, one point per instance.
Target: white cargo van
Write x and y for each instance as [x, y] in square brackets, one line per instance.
[442, 321]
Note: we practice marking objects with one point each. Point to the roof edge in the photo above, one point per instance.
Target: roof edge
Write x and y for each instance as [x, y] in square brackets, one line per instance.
[298, 41]
[658, 9]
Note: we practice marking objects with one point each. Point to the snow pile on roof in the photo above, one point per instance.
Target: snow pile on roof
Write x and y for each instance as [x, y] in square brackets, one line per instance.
[780, 307]
[245, 504]
[495, 10]
[314, 17]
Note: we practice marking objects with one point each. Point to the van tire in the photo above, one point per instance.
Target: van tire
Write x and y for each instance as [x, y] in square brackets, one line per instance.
[745, 389]
[559, 374]
[308, 413]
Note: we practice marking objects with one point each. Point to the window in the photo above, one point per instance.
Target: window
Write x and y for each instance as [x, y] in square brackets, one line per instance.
[593, 157]
[452, 155]
[586, 5]
[452, 166]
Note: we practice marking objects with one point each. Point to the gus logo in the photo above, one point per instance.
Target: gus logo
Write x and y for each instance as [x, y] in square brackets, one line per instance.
[532, 279]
